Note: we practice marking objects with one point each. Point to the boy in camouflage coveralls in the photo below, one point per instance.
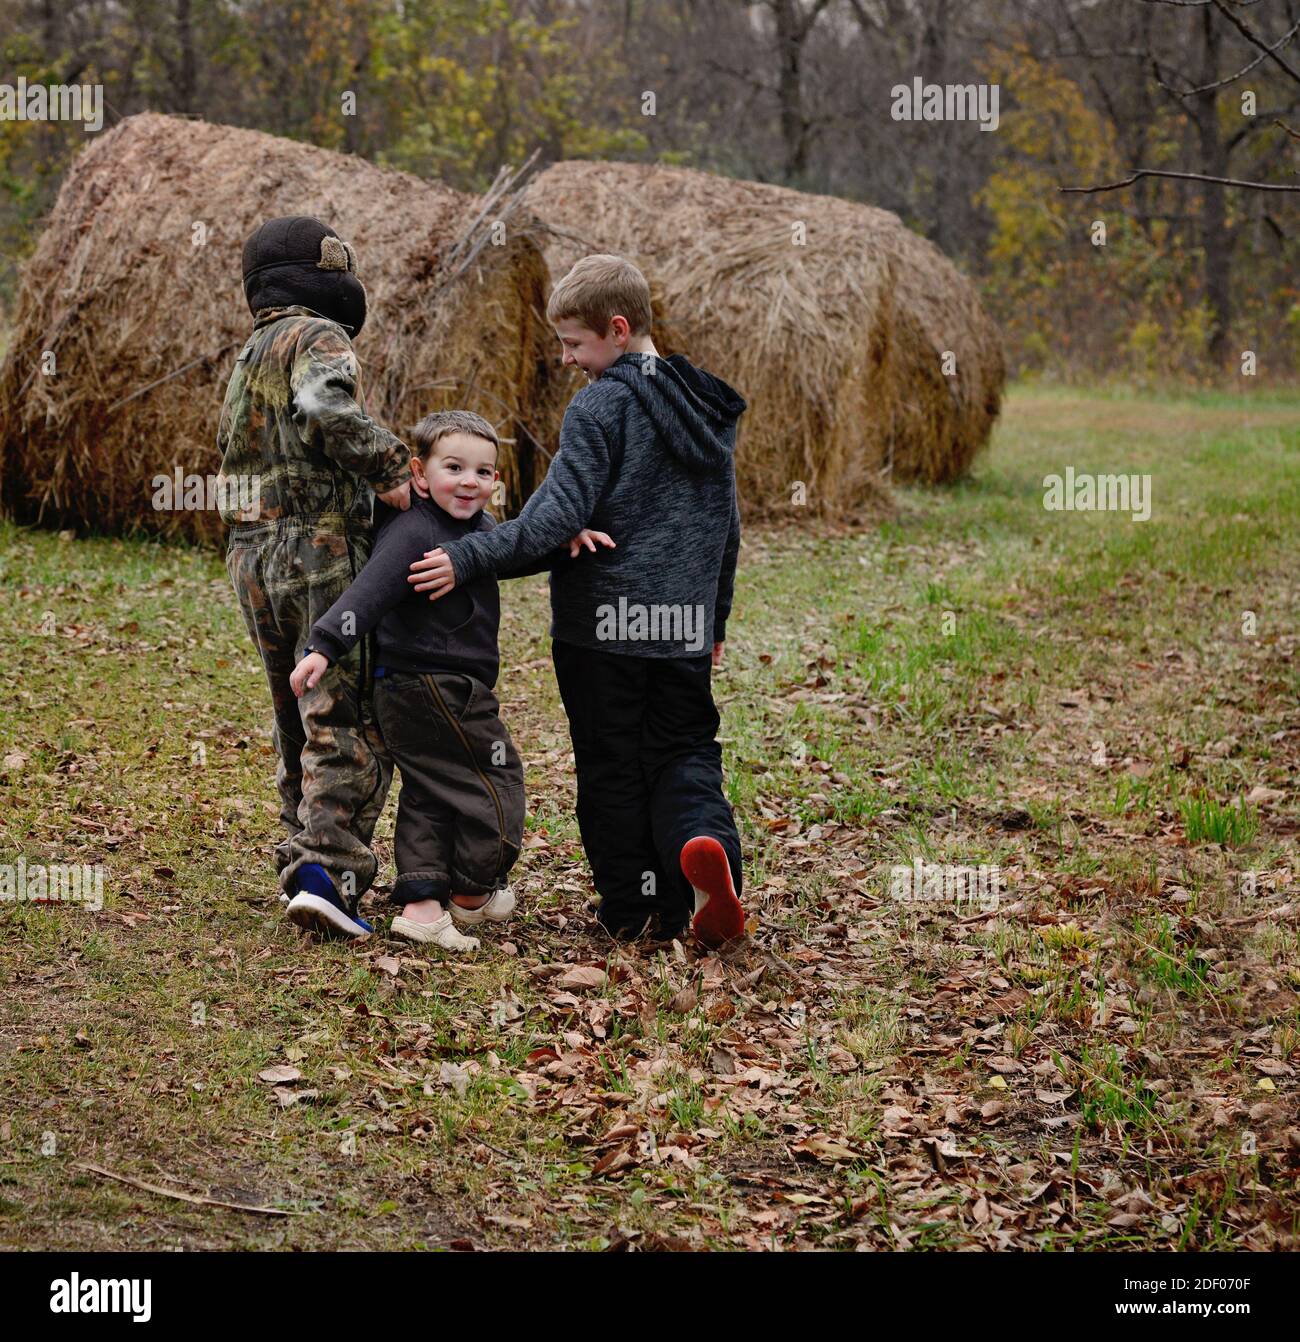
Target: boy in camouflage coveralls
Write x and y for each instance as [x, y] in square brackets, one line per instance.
[293, 423]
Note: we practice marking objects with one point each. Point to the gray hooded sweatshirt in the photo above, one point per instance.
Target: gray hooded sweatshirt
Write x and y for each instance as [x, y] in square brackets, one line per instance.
[647, 453]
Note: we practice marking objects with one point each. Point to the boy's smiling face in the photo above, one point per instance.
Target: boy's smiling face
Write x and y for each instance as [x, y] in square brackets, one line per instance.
[460, 470]
[586, 350]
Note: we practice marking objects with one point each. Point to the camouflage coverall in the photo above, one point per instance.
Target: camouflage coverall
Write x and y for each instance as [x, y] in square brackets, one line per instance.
[292, 423]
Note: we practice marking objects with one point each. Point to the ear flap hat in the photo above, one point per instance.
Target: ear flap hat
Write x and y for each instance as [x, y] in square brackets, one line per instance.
[299, 261]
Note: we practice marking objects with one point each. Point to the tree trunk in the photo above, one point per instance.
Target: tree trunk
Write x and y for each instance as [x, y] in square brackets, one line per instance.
[934, 69]
[1216, 240]
[186, 90]
[50, 34]
[794, 129]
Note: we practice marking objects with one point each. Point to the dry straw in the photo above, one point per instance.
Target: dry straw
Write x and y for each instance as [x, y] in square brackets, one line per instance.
[143, 325]
[831, 317]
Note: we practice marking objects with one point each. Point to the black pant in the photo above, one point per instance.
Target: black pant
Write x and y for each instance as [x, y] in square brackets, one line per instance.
[649, 766]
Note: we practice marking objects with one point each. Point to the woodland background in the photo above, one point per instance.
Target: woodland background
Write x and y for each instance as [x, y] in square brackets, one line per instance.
[788, 91]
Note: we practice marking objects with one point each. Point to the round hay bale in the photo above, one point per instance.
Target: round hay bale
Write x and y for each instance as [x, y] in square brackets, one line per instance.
[948, 356]
[829, 316]
[134, 293]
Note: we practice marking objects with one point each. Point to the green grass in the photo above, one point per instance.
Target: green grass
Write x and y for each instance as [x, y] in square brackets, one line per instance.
[1110, 1096]
[1206, 820]
[934, 687]
[1166, 962]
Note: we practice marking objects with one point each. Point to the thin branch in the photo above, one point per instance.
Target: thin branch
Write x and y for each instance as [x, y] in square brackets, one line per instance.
[1245, 30]
[810, 18]
[738, 74]
[180, 1196]
[1246, 69]
[167, 377]
[1168, 88]
[1258, 123]
[1181, 176]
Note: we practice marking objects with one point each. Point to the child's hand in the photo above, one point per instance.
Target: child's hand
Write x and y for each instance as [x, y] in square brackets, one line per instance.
[588, 538]
[306, 675]
[433, 574]
[717, 653]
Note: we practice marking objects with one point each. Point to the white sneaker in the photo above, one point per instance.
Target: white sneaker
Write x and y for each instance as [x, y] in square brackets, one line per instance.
[442, 933]
[496, 910]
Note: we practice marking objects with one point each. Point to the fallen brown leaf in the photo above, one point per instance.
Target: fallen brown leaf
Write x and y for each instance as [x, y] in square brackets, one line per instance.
[280, 1074]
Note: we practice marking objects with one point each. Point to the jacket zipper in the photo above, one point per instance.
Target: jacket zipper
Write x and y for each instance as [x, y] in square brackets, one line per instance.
[464, 740]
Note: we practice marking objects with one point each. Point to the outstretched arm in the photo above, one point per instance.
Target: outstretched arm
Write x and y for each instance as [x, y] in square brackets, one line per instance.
[558, 511]
[586, 539]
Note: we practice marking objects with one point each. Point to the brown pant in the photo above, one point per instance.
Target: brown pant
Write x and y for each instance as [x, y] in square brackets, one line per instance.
[460, 813]
[333, 771]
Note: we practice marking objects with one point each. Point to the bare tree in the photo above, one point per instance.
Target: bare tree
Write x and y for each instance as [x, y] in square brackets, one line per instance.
[1209, 40]
[793, 22]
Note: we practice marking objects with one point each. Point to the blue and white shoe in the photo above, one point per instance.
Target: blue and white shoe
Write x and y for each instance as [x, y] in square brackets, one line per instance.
[319, 908]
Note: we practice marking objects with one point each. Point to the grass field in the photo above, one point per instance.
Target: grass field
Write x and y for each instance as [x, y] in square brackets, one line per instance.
[1103, 710]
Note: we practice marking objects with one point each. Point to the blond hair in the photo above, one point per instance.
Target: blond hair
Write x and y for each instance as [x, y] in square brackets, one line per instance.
[599, 288]
[432, 429]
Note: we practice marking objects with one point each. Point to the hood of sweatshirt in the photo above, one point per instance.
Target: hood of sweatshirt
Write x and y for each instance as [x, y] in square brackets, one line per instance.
[694, 412]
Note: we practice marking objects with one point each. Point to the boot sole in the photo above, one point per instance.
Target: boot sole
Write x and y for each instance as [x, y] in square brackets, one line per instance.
[704, 864]
[314, 914]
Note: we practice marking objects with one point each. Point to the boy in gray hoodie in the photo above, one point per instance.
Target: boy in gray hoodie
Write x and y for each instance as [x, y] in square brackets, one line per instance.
[647, 455]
